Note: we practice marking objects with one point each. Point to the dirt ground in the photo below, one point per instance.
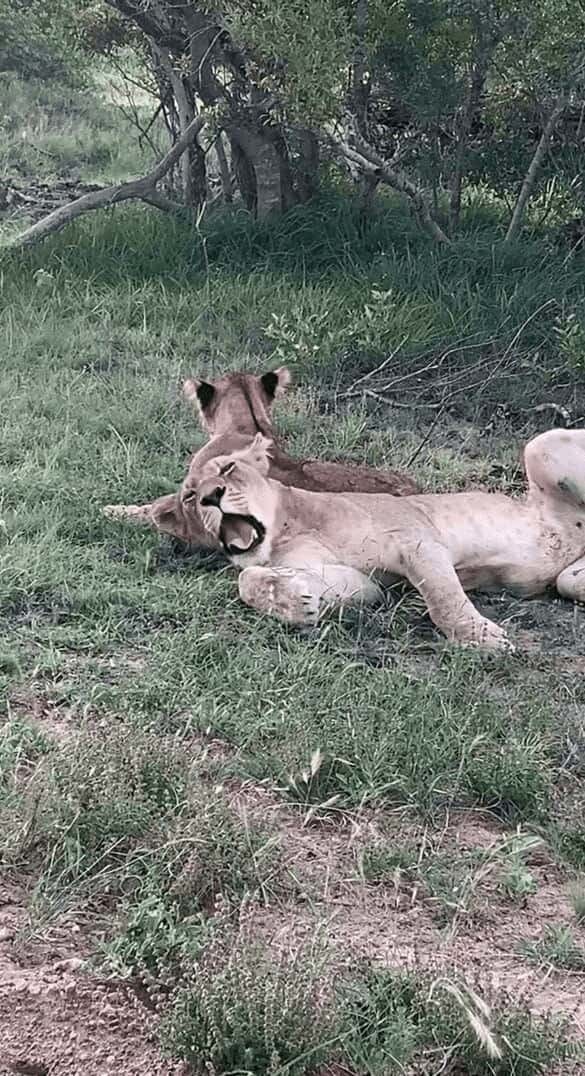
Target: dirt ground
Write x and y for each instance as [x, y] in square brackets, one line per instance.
[58, 1018]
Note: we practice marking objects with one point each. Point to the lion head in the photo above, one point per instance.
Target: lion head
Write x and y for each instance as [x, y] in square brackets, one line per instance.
[237, 402]
[235, 500]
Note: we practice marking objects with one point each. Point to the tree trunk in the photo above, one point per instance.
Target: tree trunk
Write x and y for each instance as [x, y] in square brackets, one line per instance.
[263, 171]
[193, 170]
[470, 110]
[360, 81]
[224, 170]
[307, 167]
[202, 63]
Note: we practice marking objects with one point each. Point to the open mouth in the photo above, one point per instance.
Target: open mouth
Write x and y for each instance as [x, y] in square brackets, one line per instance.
[240, 534]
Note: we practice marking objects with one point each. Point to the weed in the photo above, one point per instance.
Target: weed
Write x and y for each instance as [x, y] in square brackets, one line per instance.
[381, 862]
[516, 879]
[577, 898]
[84, 810]
[557, 948]
[155, 937]
[22, 744]
[252, 1011]
[393, 1021]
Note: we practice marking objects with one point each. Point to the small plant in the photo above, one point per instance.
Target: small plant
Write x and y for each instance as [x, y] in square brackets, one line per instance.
[21, 742]
[557, 948]
[248, 1010]
[517, 881]
[577, 898]
[88, 805]
[203, 854]
[570, 334]
[315, 785]
[155, 937]
[392, 1020]
[380, 862]
[452, 881]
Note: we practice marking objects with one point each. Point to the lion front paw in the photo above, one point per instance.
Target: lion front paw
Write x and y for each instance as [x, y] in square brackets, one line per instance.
[485, 635]
[280, 593]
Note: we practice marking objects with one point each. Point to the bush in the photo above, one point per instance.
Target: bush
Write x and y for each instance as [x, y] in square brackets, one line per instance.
[252, 1012]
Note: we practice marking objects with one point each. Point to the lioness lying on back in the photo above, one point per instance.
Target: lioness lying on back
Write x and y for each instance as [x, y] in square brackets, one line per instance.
[301, 550]
[232, 410]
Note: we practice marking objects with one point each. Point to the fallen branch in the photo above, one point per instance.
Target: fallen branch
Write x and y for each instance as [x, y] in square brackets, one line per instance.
[372, 373]
[143, 188]
[366, 160]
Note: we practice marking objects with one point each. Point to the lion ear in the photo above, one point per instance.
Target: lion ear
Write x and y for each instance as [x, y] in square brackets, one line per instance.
[261, 443]
[276, 382]
[200, 393]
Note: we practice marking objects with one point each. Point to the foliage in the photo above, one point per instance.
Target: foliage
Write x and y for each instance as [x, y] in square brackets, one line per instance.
[557, 947]
[249, 1010]
[38, 39]
[455, 91]
[396, 1018]
[298, 50]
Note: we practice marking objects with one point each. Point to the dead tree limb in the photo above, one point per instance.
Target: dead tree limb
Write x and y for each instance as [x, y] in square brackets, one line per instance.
[532, 173]
[143, 188]
[364, 159]
[543, 144]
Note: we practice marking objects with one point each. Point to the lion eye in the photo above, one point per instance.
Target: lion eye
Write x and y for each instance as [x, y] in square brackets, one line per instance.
[227, 468]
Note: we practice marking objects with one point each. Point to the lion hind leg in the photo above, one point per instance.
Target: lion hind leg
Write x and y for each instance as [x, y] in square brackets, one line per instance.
[433, 575]
[571, 582]
[299, 595]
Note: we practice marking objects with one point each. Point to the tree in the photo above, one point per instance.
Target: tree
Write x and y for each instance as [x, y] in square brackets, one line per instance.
[427, 96]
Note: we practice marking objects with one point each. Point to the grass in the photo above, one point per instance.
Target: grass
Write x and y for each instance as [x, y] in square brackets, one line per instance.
[397, 1022]
[247, 1011]
[50, 131]
[557, 948]
[122, 656]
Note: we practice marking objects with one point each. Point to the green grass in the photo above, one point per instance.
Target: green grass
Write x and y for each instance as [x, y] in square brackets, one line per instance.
[50, 131]
[557, 948]
[136, 653]
[245, 1011]
[113, 622]
[397, 1022]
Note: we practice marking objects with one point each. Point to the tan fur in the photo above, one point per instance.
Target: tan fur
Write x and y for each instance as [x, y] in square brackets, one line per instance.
[321, 548]
[233, 410]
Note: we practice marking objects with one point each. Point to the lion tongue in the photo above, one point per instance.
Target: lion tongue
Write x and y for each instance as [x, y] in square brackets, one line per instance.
[238, 533]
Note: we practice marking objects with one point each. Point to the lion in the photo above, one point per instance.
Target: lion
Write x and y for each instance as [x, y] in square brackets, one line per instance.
[299, 551]
[232, 410]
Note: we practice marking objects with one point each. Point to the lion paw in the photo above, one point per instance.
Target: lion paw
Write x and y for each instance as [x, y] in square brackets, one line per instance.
[280, 594]
[486, 635]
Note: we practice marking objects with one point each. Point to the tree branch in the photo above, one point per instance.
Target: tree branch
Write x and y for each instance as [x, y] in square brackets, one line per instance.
[532, 173]
[143, 188]
[543, 144]
[366, 160]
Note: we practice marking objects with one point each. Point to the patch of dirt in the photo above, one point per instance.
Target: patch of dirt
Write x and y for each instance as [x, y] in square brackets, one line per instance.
[400, 924]
[58, 1020]
[59, 721]
[35, 200]
[544, 625]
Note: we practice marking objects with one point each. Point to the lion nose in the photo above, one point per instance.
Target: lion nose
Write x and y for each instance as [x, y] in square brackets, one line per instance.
[214, 498]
